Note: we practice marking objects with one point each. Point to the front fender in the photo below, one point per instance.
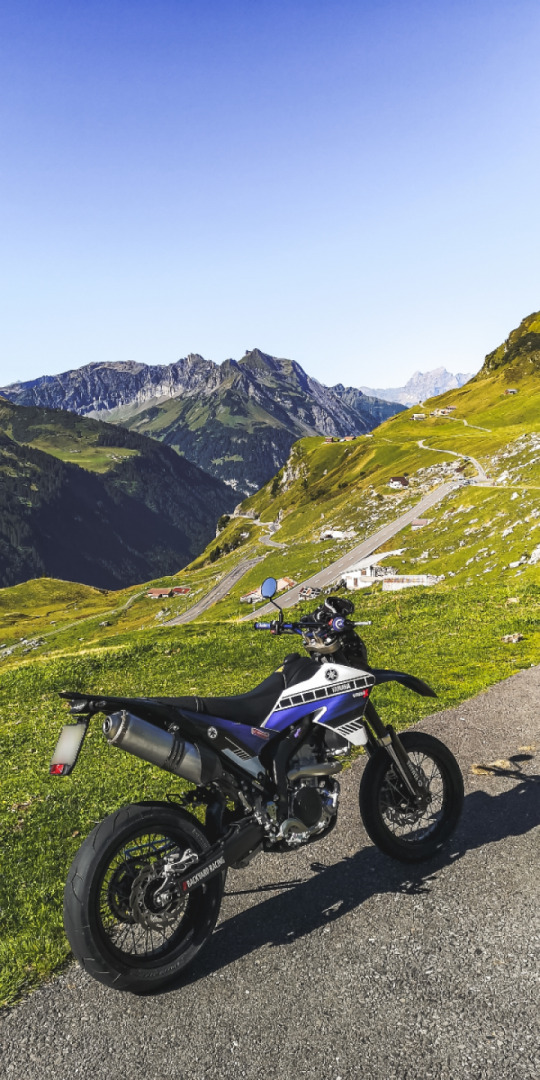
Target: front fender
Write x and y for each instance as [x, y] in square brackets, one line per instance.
[410, 681]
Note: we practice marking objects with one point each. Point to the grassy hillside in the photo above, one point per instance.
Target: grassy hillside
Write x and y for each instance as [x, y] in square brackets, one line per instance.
[454, 645]
[482, 538]
[92, 502]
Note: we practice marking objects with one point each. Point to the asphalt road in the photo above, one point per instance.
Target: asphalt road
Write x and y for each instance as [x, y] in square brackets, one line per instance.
[335, 963]
[217, 593]
[323, 578]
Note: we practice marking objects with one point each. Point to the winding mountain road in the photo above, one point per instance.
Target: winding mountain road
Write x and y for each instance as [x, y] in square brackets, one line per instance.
[217, 593]
[334, 962]
[323, 578]
[483, 478]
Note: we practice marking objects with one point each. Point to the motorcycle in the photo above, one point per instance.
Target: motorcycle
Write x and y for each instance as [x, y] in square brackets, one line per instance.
[143, 893]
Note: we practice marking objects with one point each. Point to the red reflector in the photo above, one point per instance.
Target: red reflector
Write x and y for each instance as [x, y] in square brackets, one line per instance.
[56, 770]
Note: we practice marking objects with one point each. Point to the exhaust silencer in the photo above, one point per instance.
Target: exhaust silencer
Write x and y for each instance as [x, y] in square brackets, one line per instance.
[163, 748]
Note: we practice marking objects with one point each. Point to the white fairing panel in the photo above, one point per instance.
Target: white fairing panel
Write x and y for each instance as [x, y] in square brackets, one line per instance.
[330, 681]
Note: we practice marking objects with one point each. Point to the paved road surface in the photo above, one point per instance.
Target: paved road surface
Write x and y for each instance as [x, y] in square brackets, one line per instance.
[335, 962]
[335, 570]
[215, 594]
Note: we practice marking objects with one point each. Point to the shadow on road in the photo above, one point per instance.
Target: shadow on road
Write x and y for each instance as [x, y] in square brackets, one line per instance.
[332, 891]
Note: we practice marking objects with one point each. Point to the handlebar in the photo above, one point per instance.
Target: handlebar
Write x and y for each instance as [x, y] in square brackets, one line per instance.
[337, 625]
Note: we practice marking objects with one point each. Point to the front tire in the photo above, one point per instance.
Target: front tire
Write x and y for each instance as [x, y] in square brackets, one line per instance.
[115, 931]
[391, 818]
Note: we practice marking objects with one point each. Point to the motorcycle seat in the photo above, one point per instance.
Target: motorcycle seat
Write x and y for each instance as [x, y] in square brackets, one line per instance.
[250, 708]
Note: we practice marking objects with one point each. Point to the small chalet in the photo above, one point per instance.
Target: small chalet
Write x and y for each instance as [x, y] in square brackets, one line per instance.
[167, 593]
[419, 416]
[510, 391]
[419, 523]
[398, 482]
[285, 583]
[254, 596]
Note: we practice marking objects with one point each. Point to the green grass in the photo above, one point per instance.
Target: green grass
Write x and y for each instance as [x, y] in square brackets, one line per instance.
[452, 637]
[94, 458]
[451, 640]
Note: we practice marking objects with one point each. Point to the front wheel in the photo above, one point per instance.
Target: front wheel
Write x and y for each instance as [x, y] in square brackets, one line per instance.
[118, 928]
[396, 824]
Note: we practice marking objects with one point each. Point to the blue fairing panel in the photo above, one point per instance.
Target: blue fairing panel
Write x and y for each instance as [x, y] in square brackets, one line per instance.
[231, 735]
[336, 710]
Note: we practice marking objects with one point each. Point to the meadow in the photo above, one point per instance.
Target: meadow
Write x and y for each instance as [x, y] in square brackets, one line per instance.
[451, 639]
[58, 635]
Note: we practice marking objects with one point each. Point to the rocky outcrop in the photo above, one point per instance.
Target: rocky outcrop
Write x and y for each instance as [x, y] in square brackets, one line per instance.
[520, 352]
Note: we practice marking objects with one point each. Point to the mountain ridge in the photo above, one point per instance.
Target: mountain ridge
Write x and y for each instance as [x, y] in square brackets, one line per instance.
[236, 420]
[421, 386]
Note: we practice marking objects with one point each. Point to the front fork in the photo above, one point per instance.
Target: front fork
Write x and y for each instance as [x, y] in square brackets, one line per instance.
[384, 735]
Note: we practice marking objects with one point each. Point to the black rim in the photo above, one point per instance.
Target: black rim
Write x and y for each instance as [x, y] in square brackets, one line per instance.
[407, 822]
[132, 923]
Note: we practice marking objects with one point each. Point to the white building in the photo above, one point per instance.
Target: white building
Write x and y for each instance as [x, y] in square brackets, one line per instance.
[368, 572]
[405, 581]
[360, 577]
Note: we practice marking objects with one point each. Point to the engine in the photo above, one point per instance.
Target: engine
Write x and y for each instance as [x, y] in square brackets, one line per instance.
[313, 798]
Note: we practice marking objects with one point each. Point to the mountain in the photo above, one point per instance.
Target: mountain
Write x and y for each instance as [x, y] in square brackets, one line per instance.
[519, 355]
[421, 386]
[329, 497]
[236, 420]
[91, 502]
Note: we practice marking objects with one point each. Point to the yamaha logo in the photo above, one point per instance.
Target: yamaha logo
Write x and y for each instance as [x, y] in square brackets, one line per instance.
[212, 733]
[331, 674]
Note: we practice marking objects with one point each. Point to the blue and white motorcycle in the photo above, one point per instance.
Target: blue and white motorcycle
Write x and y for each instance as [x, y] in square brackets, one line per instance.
[144, 890]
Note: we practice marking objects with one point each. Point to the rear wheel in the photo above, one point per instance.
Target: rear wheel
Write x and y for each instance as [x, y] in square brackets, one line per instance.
[117, 923]
[398, 825]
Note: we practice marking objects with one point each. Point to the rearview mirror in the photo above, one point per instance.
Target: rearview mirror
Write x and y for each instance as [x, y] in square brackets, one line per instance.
[269, 588]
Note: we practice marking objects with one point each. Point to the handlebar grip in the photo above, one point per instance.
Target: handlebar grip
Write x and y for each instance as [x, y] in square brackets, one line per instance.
[262, 626]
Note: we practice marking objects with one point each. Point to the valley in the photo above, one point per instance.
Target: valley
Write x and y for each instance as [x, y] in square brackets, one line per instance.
[481, 536]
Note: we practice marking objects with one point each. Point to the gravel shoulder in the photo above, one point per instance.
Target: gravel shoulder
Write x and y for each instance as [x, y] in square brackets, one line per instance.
[335, 963]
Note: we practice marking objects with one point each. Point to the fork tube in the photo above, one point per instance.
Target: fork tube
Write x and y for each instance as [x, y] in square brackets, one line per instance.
[374, 719]
[394, 747]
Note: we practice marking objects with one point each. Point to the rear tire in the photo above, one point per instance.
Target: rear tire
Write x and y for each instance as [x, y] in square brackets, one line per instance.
[388, 811]
[115, 932]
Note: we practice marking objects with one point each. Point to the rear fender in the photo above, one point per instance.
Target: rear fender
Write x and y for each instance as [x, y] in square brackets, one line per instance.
[410, 681]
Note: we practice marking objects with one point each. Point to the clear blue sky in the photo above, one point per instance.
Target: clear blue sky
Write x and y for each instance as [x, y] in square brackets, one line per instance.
[350, 183]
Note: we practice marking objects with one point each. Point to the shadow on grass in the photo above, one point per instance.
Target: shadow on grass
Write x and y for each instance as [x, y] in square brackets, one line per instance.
[315, 902]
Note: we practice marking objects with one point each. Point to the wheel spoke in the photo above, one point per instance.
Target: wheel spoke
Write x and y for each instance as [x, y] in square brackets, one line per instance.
[132, 923]
[401, 815]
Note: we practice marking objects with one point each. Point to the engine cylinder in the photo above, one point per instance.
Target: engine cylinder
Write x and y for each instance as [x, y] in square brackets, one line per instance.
[163, 748]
